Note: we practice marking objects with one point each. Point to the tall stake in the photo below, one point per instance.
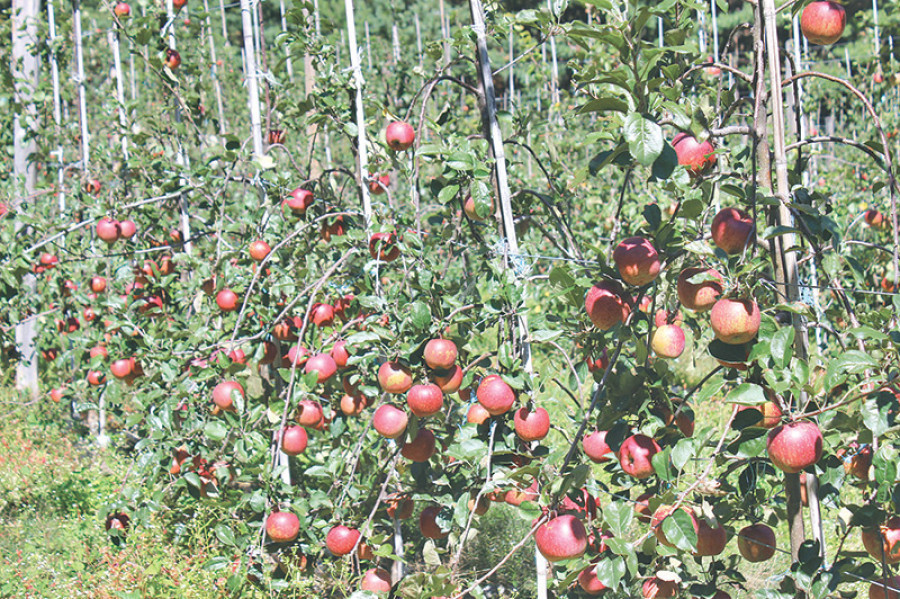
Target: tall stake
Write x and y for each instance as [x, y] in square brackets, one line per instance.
[787, 280]
[79, 76]
[214, 70]
[112, 37]
[362, 153]
[289, 64]
[25, 14]
[492, 131]
[181, 157]
[57, 109]
[250, 74]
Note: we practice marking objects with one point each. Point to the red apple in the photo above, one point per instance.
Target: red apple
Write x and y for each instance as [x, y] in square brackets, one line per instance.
[668, 341]
[428, 525]
[98, 284]
[440, 354]
[399, 136]
[495, 395]
[122, 10]
[477, 414]
[339, 354]
[294, 440]
[770, 414]
[227, 300]
[699, 297]
[822, 22]
[309, 413]
[178, 4]
[531, 425]
[383, 246]
[517, 497]
[472, 212]
[323, 364]
[390, 421]
[636, 454]
[57, 394]
[96, 378]
[173, 59]
[710, 540]
[886, 539]
[560, 538]
[697, 157]
[606, 305]
[99, 350]
[400, 506]
[658, 588]
[637, 261]
[588, 581]
[276, 136]
[121, 368]
[421, 448]
[378, 184]
[296, 357]
[735, 322]
[223, 394]
[450, 380]
[394, 377]
[108, 230]
[732, 230]
[874, 218]
[425, 400]
[595, 447]
[298, 200]
[376, 580]
[127, 229]
[282, 527]
[877, 589]
[795, 446]
[353, 405]
[259, 249]
[322, 315]
[756, 542]
[341, 540]
[93, 186]
[859, 463]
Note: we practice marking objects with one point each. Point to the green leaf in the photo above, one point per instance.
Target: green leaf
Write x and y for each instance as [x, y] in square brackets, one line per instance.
[747, 394]
[679, 530]
[225, 535]
[645, 138]
[605, 104]
[539, 336]
[618, 516]
[610, 571]
[215, 430]
[781, 346]
[420, 315]
[682, 453]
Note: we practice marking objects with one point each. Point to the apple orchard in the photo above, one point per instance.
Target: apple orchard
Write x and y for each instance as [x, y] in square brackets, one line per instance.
[351, 287]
